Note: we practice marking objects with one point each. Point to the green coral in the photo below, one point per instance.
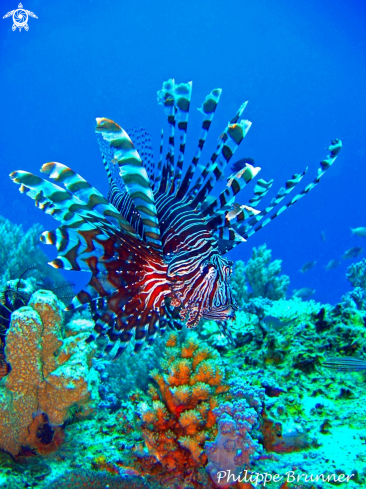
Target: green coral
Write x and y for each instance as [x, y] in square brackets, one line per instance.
[260, 277]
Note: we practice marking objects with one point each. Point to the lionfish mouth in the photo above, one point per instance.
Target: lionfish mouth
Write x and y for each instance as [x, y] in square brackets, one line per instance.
[219, 314]
[194, 313]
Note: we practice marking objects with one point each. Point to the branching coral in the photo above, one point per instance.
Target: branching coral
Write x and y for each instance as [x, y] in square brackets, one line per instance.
[49, 372]
[178, 418]
[259, 277]
[356, 274]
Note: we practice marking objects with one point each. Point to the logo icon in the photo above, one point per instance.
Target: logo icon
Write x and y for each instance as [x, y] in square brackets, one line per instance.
[20, 17]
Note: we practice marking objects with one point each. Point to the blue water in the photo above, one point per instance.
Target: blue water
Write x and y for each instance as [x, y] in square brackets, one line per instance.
[301, 65]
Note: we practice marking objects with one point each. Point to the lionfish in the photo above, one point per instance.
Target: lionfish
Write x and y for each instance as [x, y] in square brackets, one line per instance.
[155, 247]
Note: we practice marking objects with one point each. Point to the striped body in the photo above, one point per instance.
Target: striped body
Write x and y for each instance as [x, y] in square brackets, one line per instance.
[156, 245]
[345, 364]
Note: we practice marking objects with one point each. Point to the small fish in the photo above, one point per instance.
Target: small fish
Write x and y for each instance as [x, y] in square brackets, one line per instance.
[248, 172]
[353, 252]
[322, 235]
[277, 323]
[345, 364]
[359, 232]
[333, 264]
[237, 208]
[308, 266]
[303, 293]
[240, 164]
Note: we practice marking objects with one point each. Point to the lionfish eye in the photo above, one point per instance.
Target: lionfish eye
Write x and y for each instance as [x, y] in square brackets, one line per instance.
[205, 270]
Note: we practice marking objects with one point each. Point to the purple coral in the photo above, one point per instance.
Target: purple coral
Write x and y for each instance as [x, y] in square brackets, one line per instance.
[234, 448]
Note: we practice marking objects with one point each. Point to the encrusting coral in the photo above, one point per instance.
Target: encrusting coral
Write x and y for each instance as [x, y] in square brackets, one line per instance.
[81, 479]
[176, 419]
[259, 277]
[50, 372]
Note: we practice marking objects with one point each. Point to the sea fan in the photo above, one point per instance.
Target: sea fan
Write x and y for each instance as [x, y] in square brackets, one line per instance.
[155, 247]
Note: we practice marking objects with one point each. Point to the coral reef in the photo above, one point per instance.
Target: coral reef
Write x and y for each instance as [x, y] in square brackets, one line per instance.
[281, 346]
[177, 418]
[355, 299]
[266, 404]
[259, 277]
[20, 250]
[356, 274]
[23, 473]
[127, 373]
[309, 420]
[296, 334]
[79, 479]
[257, 318]
[50, 372]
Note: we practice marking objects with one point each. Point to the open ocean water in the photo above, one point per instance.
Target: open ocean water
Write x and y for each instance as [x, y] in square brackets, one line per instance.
[301, 65]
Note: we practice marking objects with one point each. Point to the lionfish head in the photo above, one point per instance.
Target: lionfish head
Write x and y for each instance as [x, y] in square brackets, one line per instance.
[205, 292]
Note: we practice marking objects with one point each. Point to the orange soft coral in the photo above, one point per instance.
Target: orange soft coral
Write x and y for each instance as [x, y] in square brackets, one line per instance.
[177, 419]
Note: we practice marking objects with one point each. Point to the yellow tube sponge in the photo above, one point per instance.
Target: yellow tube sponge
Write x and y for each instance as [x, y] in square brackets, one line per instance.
[19, 389]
